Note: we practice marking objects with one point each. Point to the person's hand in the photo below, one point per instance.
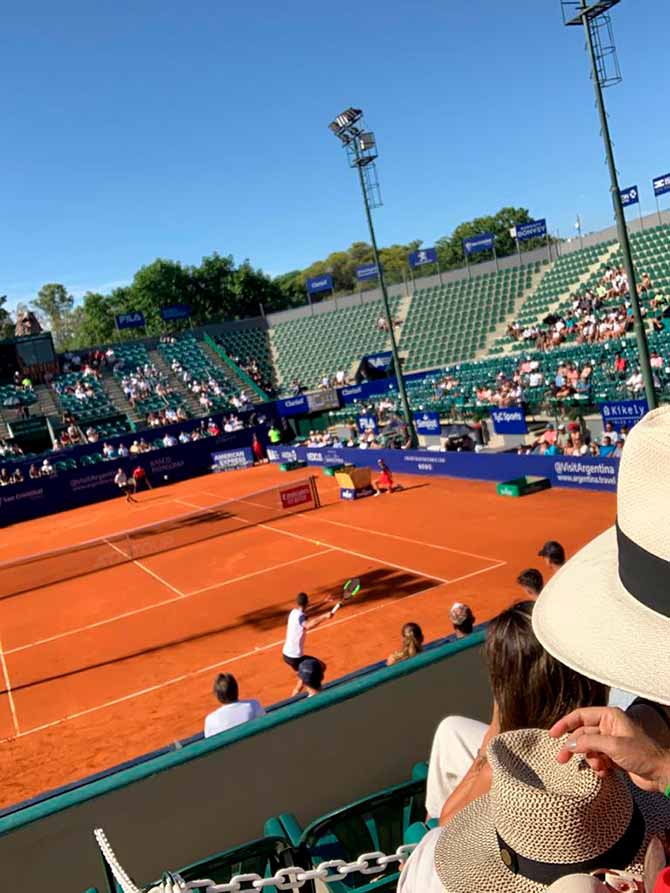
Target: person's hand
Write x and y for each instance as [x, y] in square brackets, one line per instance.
[610, 739]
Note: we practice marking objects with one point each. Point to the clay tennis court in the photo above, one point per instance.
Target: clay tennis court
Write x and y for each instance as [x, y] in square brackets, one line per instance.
[105, 666]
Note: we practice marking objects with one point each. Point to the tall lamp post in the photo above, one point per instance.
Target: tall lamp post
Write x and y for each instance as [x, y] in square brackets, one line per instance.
[362, 152]
[594, 18]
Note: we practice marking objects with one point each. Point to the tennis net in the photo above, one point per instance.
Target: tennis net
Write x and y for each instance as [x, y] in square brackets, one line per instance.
[45, 568]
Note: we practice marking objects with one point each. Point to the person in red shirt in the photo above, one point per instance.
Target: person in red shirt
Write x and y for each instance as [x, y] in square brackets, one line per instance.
[140, 478]
[257, 450]
[620, 365]
[384, 483]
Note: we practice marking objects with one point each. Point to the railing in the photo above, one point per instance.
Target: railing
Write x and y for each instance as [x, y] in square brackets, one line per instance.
[240, 373]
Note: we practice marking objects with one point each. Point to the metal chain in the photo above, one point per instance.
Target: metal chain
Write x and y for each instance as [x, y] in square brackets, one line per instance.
[291, 878]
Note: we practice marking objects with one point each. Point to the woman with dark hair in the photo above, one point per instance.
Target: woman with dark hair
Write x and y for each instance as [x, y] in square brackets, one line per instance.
[412, 644]
[531, 690]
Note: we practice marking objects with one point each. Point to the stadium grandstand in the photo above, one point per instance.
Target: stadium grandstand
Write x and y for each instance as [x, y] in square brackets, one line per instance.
[367, 593]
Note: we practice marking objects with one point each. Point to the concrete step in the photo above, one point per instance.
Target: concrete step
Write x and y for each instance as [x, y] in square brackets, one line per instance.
[501, 329]
[187, 398]
[118, 399]
[237, 383]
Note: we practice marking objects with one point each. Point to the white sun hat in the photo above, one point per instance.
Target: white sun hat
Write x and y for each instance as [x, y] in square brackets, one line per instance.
[606, 612]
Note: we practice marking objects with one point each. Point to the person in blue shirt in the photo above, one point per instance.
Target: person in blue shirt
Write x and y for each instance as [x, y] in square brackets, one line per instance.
[607, 447]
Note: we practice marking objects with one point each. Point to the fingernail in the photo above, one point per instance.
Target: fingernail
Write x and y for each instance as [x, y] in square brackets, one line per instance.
[571, 744]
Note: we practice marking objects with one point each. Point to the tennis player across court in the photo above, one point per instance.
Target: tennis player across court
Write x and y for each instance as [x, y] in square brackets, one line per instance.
[302, 619]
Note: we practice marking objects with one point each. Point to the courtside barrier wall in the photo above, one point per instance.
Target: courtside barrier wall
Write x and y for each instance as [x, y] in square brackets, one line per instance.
[307, 758]
[92, 483]
[563, 471]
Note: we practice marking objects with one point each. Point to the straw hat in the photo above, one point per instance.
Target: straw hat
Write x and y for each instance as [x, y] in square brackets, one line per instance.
[606, 613]
[542, 821]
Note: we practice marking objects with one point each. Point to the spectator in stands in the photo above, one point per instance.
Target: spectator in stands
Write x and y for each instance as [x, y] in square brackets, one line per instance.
[5, 479]
[462, 619]
[636, 382]
[607, 447]
[530, 690]
[274, 434]
[553, 554]
[123, 451]
[412, 644]
[47, 469]
[618, 448]
[541, 825]
[17, 476]
[169, 440]
[310, 674]
[232, 711]
[33, 472]
[531, 581]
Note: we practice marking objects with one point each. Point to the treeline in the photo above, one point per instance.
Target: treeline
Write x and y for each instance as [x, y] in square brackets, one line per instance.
[218, 289]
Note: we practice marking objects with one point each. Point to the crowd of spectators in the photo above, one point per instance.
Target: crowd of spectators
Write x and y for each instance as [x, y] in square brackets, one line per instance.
[598, 315]
[252, 367]
[574, 439]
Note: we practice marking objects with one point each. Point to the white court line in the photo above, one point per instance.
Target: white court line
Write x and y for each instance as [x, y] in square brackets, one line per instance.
[10, 696]
[404, 539]
[143, 567]
[161, 604]
[400, 567]
[257, 650]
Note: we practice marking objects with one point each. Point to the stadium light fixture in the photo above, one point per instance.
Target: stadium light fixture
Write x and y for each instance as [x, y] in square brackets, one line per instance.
[361, 148]
[595, 20]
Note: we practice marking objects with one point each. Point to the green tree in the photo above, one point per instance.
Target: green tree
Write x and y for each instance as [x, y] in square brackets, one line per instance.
[54, 306]
[6, 322]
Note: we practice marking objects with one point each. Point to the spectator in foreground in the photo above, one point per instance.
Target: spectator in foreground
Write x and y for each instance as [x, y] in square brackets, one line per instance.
[232, 712]
[553, 554]
[621, 636]
[462, 619]
[531, 582]
[538, 825]
[412, 644]
[311, 671]
[530, 690]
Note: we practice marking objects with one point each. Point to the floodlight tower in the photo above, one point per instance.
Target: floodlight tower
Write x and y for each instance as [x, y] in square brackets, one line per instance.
[361, 150]
[594, 18]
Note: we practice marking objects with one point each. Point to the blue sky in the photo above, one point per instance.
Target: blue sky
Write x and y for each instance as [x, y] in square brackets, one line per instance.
[137, 130]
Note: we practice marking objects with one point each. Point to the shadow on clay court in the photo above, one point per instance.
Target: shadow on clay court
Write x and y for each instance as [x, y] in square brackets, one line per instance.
[378, 585]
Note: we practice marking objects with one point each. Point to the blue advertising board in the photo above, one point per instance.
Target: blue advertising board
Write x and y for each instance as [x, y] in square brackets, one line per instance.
[583, 472]
[230, 459]
[367, 423]
[661, 184]
[292, 406]
[93, 483]
[509, 421]
[317, 284]
[367, 271]
[330, 457]
[427, 422]
[132, 320]
[482, 242]
[623, 412]
[381, 360]
[536, 229]
[175, 311]
[422, 256]
[629, 196]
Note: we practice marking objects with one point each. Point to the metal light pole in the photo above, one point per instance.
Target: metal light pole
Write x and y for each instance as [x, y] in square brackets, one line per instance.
[588, 16]
[578, 227]
[362, 151]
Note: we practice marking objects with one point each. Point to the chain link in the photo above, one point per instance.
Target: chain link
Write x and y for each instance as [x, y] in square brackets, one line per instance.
[291, 878]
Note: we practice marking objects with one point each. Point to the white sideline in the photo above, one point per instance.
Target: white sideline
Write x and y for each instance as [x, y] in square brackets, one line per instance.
[10, 695]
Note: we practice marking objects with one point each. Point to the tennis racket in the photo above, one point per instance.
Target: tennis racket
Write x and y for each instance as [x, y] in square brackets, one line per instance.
[351, 589]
